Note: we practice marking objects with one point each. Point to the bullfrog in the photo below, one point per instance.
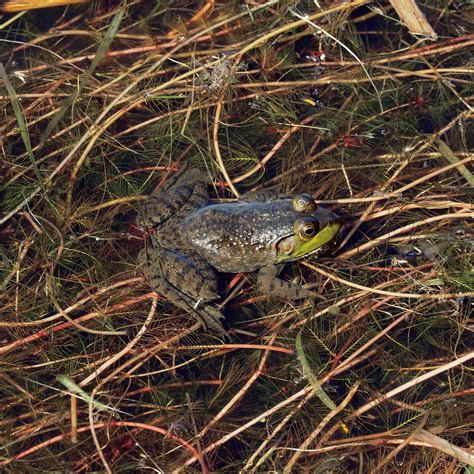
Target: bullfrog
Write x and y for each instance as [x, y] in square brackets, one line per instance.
[192, 239]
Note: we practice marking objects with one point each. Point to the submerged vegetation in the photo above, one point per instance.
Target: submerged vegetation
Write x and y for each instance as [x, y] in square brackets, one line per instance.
[102, 102]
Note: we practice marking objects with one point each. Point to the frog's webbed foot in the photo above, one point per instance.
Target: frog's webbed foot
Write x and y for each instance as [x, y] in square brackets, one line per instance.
[210, 317]
[269, 284]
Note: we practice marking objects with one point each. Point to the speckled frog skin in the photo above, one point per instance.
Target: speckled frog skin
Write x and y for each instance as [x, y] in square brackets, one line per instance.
[193, 240]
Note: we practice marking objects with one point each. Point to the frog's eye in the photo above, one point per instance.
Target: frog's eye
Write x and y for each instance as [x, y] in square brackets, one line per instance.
[303, 203]
[306, 229]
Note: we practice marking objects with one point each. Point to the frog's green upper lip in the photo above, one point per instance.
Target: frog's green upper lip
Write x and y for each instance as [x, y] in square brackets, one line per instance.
[317, 244]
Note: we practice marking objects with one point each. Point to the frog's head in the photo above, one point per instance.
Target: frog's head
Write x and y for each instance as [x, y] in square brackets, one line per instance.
[314, 228]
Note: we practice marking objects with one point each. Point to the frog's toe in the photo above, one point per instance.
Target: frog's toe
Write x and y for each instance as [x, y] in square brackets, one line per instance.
[311, 295]
[212, 319]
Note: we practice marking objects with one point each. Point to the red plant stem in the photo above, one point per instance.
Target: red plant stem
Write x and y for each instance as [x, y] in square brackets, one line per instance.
[338, 356]
[223, 348]
[137, 50]
[442, 396]
[442, 44]
[86, 317]
[234, 281]
[176, 385]
[133, 424]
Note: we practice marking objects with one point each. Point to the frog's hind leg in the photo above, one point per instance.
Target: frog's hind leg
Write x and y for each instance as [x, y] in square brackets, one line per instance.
[210, 318]
[187, 193]
[152, 263]
[269, 284]
[263, 195]
[187, 271]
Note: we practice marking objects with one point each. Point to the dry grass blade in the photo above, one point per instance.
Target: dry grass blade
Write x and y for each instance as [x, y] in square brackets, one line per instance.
[452, 158]
[11, 6]
[414, 19]
[436, 442]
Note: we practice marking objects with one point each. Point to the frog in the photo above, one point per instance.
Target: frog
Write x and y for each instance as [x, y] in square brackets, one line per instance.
[193, 240]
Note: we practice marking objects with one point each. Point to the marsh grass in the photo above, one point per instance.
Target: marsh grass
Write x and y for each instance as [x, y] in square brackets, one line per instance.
[101, 102]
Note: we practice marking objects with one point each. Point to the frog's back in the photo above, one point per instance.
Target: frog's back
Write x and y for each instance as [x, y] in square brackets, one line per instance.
[238, 237]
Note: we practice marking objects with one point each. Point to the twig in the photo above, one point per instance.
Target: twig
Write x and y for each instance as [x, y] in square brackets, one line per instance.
[432, 373]
[73, 417]
[228, 347]
[407, 228]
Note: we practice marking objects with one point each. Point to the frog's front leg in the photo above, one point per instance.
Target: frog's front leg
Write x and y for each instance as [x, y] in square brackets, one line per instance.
[184, 283]
[269, 284]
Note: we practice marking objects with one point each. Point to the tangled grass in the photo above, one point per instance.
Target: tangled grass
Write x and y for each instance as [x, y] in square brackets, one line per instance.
[101, 102]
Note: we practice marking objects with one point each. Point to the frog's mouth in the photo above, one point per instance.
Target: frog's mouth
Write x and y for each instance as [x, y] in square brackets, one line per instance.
[292, 247]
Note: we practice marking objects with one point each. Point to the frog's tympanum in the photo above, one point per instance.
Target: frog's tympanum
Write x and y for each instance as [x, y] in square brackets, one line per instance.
[191, 240]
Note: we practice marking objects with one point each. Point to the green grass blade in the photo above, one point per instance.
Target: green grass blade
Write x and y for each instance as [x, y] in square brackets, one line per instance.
[107, 41]
[99, 56]
[74, 388]
[20, 118]
[452, 158]
[308, 373]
